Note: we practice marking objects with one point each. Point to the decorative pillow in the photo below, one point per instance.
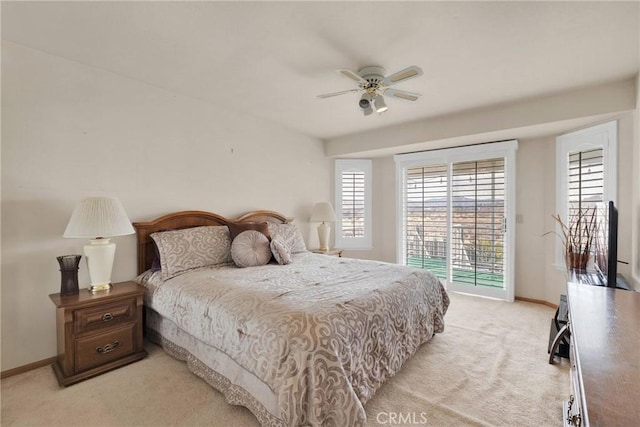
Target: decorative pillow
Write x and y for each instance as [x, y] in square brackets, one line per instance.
[190, 248]
[250, 249]
[236, 228]
[280, 251]
[289, 235]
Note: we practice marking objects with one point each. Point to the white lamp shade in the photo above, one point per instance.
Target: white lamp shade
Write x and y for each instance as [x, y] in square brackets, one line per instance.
[98, 217]
[323, 212]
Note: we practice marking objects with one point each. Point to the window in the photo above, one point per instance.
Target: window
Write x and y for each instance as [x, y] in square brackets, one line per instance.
[454, 209]
[586, 172]
[586, 179]
[353, 204]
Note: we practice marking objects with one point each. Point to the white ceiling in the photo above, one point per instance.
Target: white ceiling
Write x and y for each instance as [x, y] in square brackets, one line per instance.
[270, 60]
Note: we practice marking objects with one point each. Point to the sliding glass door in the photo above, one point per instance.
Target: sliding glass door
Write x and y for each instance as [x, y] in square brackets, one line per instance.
[426, 218]
[455, 207]
[477, 224]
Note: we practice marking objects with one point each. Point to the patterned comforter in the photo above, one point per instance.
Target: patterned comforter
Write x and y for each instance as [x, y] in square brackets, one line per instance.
[317, 337]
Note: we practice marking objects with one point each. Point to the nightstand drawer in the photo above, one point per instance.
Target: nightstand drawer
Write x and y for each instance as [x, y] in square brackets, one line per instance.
[104, 316]
[99, 349]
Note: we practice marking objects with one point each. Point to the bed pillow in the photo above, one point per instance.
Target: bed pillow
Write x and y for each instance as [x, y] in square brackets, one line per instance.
[236, 228]
[250, 249]
[289, 235]
[280, 251]
[191, 248]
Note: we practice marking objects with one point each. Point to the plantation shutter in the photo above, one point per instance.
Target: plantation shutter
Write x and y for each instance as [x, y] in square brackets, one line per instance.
[477, 203]
[586, 176]
[454, 206]
[353, 204]
[586, 180]
[586, 188]
[478, 215]
[425, 227]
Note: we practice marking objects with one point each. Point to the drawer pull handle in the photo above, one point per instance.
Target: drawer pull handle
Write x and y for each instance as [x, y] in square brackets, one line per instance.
[106, 317]
[108, 348]
[575, 420]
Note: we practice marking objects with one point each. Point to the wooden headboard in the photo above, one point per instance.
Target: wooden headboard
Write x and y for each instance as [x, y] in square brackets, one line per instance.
[188, 219]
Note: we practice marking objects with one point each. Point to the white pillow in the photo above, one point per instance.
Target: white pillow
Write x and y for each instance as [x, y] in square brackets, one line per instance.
[250, 249]
[281, 252]
[290, 236]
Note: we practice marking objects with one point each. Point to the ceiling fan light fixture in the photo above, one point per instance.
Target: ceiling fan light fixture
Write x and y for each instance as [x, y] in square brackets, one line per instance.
[373, 85]
[365, 103]
[381, 106]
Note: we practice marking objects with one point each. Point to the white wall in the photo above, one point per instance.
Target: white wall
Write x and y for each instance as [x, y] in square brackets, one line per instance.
[531, 169]
[626, 178]
[635, 198]
[71, 131]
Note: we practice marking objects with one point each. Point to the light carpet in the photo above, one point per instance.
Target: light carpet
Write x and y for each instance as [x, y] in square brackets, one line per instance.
[488, 368]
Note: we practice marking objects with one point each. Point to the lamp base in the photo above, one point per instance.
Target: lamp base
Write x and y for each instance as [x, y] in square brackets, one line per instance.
[323, 236]
[99, 288]
[99, 254]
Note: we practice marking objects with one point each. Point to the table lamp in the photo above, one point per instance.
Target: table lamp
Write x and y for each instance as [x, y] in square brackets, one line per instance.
[98, 218]
[323, 212]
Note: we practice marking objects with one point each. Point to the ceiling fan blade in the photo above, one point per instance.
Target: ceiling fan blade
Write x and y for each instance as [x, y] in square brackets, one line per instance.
[329, 95]
[402, 94]
[352, 76]
[402, 75]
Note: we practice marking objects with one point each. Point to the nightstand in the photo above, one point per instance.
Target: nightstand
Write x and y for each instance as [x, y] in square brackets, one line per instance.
[330, 252]
[98, 332]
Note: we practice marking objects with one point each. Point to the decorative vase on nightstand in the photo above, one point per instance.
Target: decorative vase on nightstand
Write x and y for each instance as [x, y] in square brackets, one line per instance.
[69, 272]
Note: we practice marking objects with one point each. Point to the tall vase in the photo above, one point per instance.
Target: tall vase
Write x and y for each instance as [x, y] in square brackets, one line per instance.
[577, 260]
[69, 272]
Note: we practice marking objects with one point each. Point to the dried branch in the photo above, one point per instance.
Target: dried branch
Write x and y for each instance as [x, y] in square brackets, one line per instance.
[578, 236]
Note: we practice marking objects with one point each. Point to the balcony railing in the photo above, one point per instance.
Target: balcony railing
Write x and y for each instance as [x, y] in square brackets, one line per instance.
[480, 265]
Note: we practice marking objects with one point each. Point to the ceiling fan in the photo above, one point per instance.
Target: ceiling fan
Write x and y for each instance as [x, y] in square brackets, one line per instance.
[373, 85]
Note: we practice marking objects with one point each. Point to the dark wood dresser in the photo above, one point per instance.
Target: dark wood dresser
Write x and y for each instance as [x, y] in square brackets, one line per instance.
[605, 356]
[98, 332]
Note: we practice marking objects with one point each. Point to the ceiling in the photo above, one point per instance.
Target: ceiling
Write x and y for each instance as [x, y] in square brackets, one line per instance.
[270, 60]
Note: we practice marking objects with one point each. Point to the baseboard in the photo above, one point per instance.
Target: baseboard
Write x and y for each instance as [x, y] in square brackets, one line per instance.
[25, 368]
[537, 301]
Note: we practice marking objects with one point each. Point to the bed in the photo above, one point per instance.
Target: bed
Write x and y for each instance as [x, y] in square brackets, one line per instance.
[303, 343]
